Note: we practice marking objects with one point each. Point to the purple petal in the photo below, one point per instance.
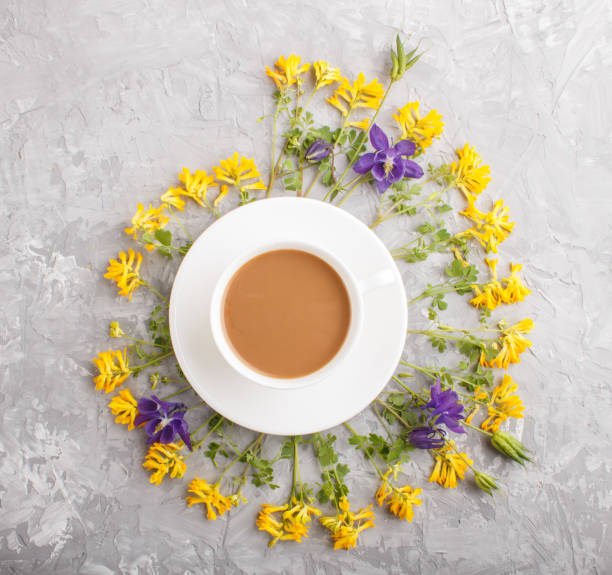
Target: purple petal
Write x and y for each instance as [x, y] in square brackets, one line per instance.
[397, 172]
[146, 405]
[152, 425]
[412, 169]
[141, 418]
[405, 147]
[378, 138]
[378, 170]
[364, 164]
[382, 186]
[167, 434]
[183, 432]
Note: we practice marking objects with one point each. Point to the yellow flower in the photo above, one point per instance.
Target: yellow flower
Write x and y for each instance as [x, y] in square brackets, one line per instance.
[210, 496]
[325, 74]
[236, 170]
[513, 343]
[113, 368]
[272, 525]
[163, 458]
[362, 125]
[115, 330]
[346, 526]
[197, 184]
[515, 290]
[222, 194]
[359, 95]
[492, 294]
[292, 526]
[383, 491]
[287, 72]
[479, 395]
[504, 403]
[124, 407]
[147, 220]
[401, 502]
[470, 176]
[420, 130]
[173, 198]
[449, 466]
[492, 228]
[124, 273]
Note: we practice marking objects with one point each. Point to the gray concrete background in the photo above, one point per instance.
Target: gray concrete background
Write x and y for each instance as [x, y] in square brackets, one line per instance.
[102, 102]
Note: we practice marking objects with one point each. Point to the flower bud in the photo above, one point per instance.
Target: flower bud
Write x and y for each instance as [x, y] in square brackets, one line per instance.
[485, 482]
[318, 150]
[510, 446]
[115, 330]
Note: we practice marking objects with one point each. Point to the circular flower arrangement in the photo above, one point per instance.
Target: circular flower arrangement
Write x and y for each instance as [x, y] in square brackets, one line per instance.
[412, 417]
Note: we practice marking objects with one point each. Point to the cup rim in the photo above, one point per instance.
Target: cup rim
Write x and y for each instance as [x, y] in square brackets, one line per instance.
[232, 358]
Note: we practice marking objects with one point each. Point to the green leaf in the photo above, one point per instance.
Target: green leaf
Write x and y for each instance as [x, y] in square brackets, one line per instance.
[443, 208]
[164, 237]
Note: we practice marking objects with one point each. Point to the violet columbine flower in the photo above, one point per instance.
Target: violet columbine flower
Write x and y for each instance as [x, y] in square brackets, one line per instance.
[446, 407]
[427, 437]
[388, 164]
[163, 420]
[318, 150]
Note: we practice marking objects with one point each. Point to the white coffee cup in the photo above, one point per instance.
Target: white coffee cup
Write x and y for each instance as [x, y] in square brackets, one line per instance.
[356, 289]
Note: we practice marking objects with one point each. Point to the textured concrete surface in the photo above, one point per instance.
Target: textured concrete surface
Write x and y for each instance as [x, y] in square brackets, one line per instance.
[101, 104]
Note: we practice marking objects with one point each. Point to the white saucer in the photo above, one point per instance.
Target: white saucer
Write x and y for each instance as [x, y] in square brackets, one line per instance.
[348, 389]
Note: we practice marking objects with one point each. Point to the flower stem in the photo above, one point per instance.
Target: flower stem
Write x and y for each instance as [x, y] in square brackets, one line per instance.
[312, 183]
[196, 406]
[156, 292]
[351, 189]
[146, 342]
[212, 429]
[295, 467]
[273, 160]
[380, 474]
[463, 422]
[252, 444]
[183, 390]
[178, 221]
[395, 413]
[153, 361]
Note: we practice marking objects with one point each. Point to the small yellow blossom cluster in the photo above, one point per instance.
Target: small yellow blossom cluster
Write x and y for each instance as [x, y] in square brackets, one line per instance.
[292, 524]
[240, 172]
[470, 176]
[508, 290]
[510, 346]
[216, 504]
[195, 186]
[124, 406]
[164, 458]
[147, 221]
[503, 403]
[449, 465]
[348, 97]
[399, 499]
[125, 272]
[422, 130]
[287, 71]
[346, 526]
[492, 228]
[113, 369]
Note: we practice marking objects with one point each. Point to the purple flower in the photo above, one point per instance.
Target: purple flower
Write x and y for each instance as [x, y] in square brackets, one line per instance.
[163, 420]
[318, 150]
[388, 164]
[446, 407]
[427, 437]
